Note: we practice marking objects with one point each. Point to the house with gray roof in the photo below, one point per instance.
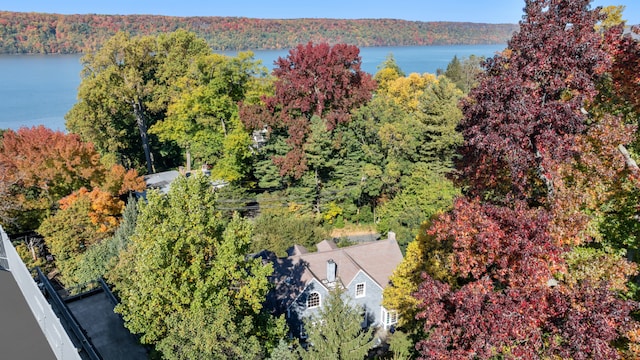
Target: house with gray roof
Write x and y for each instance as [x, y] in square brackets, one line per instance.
[303, 280]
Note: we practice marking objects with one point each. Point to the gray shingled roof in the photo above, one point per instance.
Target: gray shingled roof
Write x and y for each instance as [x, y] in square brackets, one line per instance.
[378, 259]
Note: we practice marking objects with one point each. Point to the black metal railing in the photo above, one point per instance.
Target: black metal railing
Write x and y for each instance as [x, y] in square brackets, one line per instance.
[57, 301]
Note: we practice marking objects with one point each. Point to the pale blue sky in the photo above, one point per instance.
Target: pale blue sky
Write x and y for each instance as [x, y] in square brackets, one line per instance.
[485, 11]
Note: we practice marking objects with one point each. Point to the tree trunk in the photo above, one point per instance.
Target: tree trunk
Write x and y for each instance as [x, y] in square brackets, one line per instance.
[317, 205]
[142, 126]
[542, 173]
[631, 164]
[224, 127]
[188, 155]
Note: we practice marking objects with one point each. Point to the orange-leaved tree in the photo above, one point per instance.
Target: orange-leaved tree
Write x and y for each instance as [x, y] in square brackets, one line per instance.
[41, 166]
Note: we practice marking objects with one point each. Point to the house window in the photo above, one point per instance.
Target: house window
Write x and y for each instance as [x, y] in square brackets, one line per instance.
[392, 317]
[313, 300]
[389, 318]
[360, 290]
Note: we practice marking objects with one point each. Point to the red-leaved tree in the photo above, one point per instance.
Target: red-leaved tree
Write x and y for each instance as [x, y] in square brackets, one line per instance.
[505, 301]
[320, 80]
[626, 67]
[526, 111]
[530, 144]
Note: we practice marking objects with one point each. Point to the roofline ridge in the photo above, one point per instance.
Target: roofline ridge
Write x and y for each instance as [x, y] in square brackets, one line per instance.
[363, 270]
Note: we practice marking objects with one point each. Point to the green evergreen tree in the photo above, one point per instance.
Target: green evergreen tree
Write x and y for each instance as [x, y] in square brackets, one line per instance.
[283, 352]
[454, 70]
[464, 73]
[336, 331]
[101, 257]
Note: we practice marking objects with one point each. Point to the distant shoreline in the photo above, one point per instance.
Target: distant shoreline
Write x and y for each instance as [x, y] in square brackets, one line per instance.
[41, 33]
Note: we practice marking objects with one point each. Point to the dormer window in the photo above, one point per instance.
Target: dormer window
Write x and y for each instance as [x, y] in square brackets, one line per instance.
[313, 300]
[360, 290]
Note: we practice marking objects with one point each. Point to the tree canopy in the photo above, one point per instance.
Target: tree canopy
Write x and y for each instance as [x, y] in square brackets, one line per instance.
[126, 85]
[186, 283]
[41, 166]
[540, 175]
[313, 80]
[525, 115]
[203, 120]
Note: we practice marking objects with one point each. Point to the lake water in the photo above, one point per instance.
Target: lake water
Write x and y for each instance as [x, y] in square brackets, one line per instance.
[41, 89]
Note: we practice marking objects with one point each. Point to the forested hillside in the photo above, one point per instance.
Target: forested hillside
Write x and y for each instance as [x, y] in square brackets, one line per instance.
[22, 33]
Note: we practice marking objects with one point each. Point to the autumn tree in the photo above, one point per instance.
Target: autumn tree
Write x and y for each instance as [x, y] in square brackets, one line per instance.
[70, 232]
[100, 258]
[525, 113]
[504, 297]
[613, 17]
[185, 281]
[126, 86]
[425, 254]
[520, 287]
[388, 71]
[52, 161]
[41, 166]
[321, 80]
[9, 208]
[76, 229]
[625, 67]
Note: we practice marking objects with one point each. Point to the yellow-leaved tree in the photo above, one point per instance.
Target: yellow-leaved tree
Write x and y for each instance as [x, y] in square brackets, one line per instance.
[424, 255]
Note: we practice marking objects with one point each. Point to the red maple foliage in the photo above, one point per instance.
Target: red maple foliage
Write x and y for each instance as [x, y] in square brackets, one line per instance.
[318, 80]
[505, 301]
[526, 111]
[509, 245]
[625, 71]
[529, 147]
[478, 321]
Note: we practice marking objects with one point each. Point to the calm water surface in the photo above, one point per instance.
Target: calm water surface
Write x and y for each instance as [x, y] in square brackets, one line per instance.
[41, 89]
